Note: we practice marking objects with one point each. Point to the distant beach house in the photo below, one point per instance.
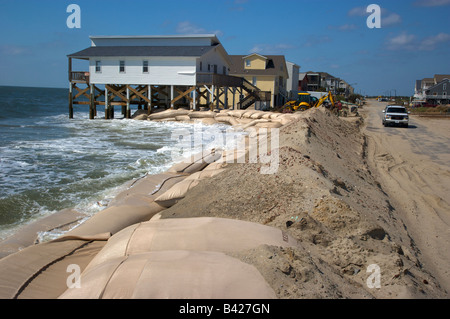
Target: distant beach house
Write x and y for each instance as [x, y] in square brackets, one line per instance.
[154, 71]
[267, 72]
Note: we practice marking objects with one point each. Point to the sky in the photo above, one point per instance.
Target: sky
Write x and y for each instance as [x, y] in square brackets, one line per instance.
[323, 36]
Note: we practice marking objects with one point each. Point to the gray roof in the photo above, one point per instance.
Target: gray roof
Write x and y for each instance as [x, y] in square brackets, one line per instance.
[142, 51]
[272, 68]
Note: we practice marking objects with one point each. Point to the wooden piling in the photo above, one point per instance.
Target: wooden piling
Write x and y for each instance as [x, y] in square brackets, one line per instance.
[71, 101]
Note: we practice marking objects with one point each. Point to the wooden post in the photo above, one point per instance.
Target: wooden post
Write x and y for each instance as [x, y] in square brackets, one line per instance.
[194, 95]
[92, 104]
[211, 106]
[71, 100]
[226, 98]
[171, 96]
[150, 97]
[234, 97]
[106, 104]
[128, 115]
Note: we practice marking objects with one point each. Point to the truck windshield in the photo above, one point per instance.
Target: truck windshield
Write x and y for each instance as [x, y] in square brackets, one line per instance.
[396, 110]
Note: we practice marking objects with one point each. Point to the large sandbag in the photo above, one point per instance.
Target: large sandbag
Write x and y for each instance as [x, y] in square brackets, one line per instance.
[145, 189]
[269, 125]
[167, 114]
[228, 120]
[237, 113]
[29, 235]
[196, 162]
[253, 123]
[183, 118]
[40, 271]
[115, 218]
[176, 193]
[204, 174]
[200, 234]
[207, 121]
[173, 275]
[258, 115]
[202, 114]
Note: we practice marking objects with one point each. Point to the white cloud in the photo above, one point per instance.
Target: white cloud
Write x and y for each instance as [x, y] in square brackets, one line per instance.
[432, 3]
[344, 27]
[279, 48]
[431, 42]
[187, 27]
[409, 42]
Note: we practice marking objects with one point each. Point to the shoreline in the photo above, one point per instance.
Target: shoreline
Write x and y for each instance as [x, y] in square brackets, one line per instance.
[323, 199]
[68, 219]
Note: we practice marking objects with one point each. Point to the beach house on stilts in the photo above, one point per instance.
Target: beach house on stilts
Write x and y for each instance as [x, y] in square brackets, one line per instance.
[151, 72]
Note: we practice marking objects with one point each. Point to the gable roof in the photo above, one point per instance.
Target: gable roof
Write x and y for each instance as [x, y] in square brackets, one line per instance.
[439, 84]
[274, 62]
[440, 77]
[142, 51]
[259, 55]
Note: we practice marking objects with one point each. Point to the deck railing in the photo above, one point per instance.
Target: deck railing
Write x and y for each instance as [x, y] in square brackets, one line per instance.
[79, 77]
[218, 79]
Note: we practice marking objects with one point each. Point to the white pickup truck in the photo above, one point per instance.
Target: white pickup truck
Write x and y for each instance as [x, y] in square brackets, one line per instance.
[395, 115]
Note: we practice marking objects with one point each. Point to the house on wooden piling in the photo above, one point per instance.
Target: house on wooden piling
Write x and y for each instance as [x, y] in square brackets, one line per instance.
[269, 73]
[154, 71]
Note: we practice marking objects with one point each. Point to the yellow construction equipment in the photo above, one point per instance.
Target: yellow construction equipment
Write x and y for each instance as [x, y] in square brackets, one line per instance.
[305, 101]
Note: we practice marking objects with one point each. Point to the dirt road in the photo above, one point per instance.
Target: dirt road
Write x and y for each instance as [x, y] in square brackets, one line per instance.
[413, 166]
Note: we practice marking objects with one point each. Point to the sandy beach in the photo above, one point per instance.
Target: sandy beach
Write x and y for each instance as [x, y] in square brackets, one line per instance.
[316, 227]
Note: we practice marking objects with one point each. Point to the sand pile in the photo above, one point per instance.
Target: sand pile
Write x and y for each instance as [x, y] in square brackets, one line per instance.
[324, 196]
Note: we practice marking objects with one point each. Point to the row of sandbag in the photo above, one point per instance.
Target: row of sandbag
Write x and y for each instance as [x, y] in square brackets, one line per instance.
[187, 258]
[243, 118]
[40, 270]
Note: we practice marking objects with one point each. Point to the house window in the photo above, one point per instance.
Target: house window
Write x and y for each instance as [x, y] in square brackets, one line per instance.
[254, 81]
[122, 66]
[98, 66]
[444, 86]
[145, 67]
[248, 63]
[209, 67]
[215, 68]
[224, 70]
[201, 66]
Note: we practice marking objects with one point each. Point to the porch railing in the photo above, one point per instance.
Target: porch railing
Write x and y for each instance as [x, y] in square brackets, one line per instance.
[79, 77]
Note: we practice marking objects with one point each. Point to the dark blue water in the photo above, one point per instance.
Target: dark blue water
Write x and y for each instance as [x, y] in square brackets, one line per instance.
[49, 163]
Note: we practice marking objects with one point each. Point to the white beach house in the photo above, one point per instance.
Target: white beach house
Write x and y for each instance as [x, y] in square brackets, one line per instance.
[168, 71]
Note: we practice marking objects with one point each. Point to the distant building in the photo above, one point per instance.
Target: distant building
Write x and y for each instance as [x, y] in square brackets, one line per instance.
[302, 82]
[267, 72]
[292, 81]
[423, 86]
[439, 93]
[314, 81]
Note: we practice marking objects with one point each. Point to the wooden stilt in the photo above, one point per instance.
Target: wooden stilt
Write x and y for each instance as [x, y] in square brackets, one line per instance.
[106, 103]
[71, 100]
[150, 97]
[128, 113]
[92, 103]
[171, 96]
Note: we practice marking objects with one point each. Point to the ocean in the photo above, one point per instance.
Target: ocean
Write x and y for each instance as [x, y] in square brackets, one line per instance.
[49, 162]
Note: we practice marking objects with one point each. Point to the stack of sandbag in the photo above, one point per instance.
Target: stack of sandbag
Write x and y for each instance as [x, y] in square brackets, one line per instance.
[41, 271]
[31, 234]
[241, 118]
[182, 259]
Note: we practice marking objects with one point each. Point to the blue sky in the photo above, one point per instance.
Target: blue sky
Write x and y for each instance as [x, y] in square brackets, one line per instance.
[328, 36]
